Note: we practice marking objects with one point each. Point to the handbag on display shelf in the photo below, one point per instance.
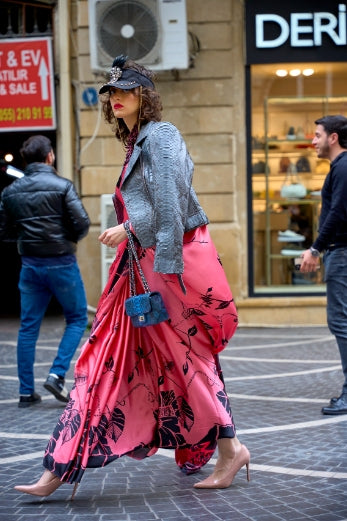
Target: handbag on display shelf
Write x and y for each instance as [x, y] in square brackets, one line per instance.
[292, 188]
[147, 308]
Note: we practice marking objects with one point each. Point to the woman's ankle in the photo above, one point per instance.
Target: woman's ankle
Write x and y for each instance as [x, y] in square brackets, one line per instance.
[228, 447]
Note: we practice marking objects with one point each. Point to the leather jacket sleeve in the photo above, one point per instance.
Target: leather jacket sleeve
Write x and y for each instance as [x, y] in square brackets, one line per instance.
[77, 220]
[171, 172]
[8, 230]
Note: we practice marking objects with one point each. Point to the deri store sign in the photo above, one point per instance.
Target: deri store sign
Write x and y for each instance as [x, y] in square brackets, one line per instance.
[298, 30]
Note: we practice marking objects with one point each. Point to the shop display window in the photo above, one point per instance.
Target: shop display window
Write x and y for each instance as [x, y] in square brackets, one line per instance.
[285, 175]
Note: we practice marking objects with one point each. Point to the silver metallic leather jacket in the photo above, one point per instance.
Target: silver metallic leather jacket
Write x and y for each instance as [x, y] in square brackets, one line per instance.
[158, 194]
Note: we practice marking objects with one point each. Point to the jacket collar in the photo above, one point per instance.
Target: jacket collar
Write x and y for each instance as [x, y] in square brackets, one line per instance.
[35, 168]
[144, 132]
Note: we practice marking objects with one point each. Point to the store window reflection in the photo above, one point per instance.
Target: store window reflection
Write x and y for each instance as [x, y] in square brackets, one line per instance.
[287, 176]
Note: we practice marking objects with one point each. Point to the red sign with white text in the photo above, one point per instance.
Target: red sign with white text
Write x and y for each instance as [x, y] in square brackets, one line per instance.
[26, 85]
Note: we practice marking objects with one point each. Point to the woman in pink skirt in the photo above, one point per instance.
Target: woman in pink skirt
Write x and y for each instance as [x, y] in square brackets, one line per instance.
[138, 389]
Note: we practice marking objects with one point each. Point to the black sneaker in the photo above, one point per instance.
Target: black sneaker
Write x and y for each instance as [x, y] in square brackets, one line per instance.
[28, 400]
[56, 386]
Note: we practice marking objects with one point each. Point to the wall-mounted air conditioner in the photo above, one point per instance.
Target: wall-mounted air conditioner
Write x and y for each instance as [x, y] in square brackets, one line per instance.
[107, 220]
[152, 32]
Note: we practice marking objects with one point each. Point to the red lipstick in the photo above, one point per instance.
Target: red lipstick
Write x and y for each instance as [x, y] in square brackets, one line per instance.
[117, 106]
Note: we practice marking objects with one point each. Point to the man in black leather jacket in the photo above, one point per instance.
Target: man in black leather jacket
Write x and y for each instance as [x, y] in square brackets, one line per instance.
[48, 218]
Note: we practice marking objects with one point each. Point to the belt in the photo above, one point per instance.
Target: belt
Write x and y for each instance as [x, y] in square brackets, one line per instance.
[332, 247]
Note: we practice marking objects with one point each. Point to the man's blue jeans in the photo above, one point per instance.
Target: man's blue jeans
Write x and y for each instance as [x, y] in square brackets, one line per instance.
[335, 262]
[37, 284]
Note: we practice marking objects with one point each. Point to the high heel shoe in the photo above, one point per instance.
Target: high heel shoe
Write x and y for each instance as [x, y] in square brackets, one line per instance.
[45, 486]
[74, 491]
[241, 458]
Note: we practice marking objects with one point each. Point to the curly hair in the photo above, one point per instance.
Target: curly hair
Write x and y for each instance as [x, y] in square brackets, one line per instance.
[150, 105]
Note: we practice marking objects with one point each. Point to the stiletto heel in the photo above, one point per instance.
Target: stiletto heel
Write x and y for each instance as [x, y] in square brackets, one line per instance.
[248, 473]
[46, 485]
[74, 491]
[241, 458]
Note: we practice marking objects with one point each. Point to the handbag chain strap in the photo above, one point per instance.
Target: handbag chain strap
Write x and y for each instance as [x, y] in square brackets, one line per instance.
[133, 256]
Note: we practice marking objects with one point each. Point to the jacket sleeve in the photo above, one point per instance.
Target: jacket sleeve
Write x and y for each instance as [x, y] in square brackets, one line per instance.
[336, 219]
[172, 170]
[8, 231]
[76, 218]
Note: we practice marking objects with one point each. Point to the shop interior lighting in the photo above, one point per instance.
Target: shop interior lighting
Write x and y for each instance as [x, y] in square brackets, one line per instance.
[295, 72]
[282, 73]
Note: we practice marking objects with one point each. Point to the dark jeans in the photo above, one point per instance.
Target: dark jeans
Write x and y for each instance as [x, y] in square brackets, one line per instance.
[37, 284]
[335, 263]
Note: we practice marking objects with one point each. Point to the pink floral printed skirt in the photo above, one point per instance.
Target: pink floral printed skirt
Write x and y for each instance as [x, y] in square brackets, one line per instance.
[138, 389]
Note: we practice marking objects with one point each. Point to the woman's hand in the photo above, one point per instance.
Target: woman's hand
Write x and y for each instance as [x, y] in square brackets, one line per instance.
[113, 236]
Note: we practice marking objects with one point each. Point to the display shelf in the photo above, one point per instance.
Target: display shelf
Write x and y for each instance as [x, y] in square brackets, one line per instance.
[306, 143]
[282, 257]
[285, 151]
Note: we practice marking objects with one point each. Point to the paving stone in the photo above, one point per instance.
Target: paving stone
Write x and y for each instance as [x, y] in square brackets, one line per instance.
[278, 380]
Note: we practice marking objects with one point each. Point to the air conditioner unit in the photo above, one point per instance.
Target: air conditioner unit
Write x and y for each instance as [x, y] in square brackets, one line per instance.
[151, 32]
[107, 220]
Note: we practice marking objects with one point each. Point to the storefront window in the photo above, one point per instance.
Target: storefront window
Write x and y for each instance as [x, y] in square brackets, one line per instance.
[286, 175]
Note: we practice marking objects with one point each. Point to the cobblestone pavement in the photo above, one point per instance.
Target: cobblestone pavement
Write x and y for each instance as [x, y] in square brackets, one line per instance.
[278, 380]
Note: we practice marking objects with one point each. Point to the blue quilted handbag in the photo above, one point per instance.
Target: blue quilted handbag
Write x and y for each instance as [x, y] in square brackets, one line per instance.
[147, 308]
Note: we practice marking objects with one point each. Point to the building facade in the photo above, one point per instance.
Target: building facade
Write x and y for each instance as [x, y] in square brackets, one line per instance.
[247, 128]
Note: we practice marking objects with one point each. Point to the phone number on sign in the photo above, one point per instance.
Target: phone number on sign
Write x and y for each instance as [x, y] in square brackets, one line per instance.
[25, 114]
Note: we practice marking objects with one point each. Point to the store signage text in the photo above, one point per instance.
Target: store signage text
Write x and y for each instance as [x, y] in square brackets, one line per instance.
[26, 84]
[304, 29]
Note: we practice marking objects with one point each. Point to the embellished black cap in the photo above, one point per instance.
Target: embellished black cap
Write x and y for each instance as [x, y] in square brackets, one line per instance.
[125, 79]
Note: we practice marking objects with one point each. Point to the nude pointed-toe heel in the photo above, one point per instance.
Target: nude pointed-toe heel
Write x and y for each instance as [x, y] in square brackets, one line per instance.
[241, 459]
[46, 485]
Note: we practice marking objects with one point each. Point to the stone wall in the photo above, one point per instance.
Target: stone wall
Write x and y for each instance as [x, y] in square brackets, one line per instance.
[206, 103]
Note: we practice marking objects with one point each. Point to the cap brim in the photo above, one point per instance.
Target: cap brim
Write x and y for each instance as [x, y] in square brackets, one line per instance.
[118, 85]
